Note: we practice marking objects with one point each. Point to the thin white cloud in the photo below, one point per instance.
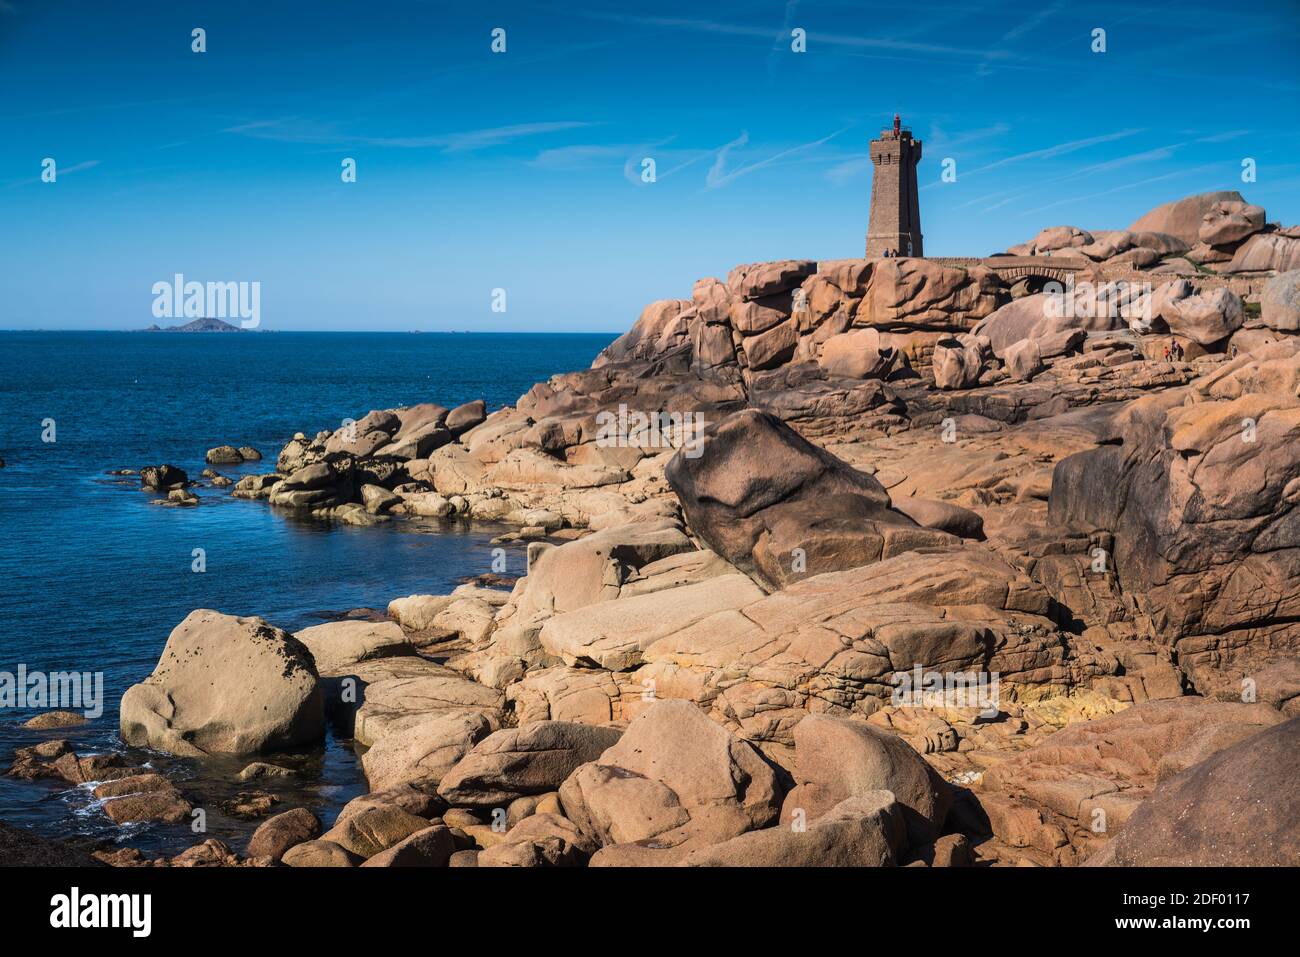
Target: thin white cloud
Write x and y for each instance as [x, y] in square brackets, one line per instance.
[1118, 189]
[295, 130]
[814, 39]
[1223, 137]
[1060, 149]
[60, 171]
[719, 176]
[476, 139]
[1146, 156]
[632, 168]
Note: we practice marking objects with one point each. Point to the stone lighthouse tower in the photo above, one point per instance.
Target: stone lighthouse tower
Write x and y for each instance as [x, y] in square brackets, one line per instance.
[895, 226]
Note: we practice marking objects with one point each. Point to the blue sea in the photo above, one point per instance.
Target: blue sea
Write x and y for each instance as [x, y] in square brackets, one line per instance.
[93, 577]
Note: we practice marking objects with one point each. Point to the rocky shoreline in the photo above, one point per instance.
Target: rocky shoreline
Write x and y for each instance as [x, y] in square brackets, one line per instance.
[861, 562]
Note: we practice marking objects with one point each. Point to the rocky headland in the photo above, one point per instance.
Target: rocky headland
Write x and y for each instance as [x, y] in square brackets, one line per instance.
[858, 562]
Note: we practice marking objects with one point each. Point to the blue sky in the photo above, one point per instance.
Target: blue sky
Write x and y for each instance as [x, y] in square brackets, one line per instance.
[521, 170]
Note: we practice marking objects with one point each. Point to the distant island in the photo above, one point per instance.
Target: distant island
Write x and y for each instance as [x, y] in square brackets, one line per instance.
[199, 325]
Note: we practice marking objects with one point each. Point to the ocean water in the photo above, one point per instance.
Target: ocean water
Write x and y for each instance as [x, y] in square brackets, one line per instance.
[93, 577]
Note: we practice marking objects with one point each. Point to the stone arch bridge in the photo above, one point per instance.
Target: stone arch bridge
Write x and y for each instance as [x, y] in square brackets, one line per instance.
[1040, 270]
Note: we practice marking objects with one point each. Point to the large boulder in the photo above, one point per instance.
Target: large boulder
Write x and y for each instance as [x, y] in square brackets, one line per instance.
[277, 834]
[515, 762]
[372, 828]
[866, 830]
[841, 758]
[431, 847]
[1182, 218]
[1060, 237]
[676, 779]
[594, 568]
[1197, 486]
[612, 635]
[1238, 808]
[338, 645]
[780, 508]
[424, 752]
[963, 610]
[858, 354]
[1024, 359]
[661, 328]
[922, 294]
[1266, 252]
[766, 279]
[421, 430]
[1229, 221]
[1014, 322]
[226, 685]
[1205, 318]
[1066, 794]
[541, 840]
[1280, 302]
[959, 362]
[465, 417]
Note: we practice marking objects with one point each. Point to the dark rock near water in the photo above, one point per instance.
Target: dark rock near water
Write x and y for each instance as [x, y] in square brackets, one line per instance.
[162, 478]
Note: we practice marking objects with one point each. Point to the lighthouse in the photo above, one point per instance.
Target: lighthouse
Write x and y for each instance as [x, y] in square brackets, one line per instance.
[894, 227]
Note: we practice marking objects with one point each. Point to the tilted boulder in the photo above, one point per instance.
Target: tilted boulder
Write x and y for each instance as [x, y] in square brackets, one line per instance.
[226, 685]
[780, 508]
[430, 847]
[373, 828]
[1014, 322]
[660, 329]
[421, 430]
